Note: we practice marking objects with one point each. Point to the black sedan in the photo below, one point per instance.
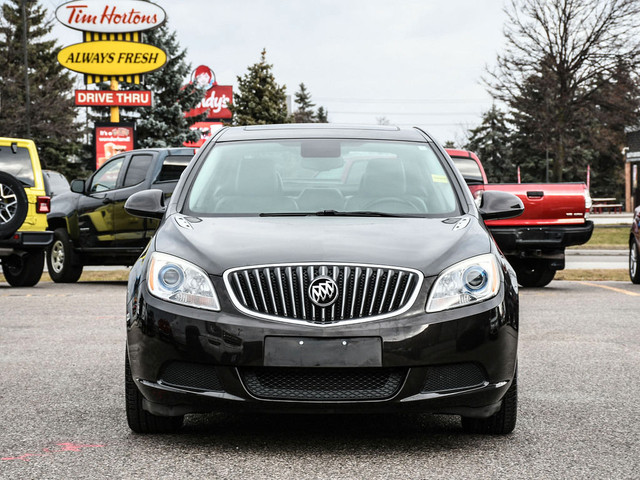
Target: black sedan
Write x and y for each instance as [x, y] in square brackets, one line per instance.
[319, 268]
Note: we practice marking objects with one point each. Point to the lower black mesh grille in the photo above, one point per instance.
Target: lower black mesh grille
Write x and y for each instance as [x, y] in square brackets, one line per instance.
[323, 384]
[193, 376]
[453, 377]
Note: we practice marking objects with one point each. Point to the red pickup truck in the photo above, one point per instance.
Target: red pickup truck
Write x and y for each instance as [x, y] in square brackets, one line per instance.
[555, 217]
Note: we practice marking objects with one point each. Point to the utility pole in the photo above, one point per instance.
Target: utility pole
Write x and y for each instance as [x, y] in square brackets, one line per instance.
[27, 94]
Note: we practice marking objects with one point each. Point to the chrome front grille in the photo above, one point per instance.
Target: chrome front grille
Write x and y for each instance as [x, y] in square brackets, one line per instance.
[364, 292]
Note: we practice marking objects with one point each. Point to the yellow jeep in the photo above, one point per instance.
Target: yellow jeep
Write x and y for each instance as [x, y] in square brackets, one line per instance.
[23, 213]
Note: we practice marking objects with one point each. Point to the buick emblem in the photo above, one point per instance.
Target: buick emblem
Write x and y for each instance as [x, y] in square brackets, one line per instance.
[323, 291]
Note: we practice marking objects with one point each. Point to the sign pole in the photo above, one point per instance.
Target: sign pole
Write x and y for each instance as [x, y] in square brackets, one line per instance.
[115, 111]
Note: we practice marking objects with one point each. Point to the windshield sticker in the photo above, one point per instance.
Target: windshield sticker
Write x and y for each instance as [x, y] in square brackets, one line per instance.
[439, 178]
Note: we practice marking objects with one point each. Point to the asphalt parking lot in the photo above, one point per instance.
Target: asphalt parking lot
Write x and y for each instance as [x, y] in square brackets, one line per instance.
[62, 358]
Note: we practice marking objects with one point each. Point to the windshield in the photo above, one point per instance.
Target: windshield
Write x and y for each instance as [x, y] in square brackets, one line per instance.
[17, 162]
[320, 176]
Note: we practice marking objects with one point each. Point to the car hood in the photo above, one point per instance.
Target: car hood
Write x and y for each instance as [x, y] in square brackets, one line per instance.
[219, 243]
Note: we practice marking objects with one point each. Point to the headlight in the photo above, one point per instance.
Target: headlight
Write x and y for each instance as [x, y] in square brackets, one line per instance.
[471, 281]
[175, 280]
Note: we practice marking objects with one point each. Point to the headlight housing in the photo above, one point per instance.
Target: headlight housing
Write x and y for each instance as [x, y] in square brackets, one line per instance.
[176, 280]
[471, 281]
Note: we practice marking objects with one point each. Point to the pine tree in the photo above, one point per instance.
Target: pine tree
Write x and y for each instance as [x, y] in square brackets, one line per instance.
[164, 123]
[491, 141]
[304, 112]
[50, 119]
[259, 100]
[321, 115]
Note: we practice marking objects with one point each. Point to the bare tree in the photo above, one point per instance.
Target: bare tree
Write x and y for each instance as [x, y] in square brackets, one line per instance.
[572, 48]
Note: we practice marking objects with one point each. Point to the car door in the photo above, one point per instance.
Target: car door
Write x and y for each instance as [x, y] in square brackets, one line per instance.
[95, 207]
[130, 230]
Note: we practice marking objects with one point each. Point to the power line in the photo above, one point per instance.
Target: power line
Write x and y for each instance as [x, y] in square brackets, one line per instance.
[420, 114]
[400, 100]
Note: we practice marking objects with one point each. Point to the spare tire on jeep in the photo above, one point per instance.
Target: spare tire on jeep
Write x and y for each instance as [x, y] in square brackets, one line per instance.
[13, 205]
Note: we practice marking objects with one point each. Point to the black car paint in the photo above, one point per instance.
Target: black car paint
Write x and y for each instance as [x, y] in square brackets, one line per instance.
[159, 332]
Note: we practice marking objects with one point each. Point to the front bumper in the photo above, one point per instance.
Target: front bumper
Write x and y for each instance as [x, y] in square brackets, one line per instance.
[187, 360]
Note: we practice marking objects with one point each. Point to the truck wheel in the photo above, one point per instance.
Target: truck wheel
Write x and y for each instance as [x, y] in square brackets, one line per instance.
[62, 261]
[139, 420]
[501, 422]
[533, 273]
[13, 205]
[24, 270]
[634, 263]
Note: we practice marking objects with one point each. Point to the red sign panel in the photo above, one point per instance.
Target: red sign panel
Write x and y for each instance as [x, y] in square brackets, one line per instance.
[206, 129]
[111, 139]
[113, 98]
[215, 103]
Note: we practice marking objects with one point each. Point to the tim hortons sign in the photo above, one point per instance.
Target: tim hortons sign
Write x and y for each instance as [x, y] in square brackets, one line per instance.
[112, 58]
[115, 16]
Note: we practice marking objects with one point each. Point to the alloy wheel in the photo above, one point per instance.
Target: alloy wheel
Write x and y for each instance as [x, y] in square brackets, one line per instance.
[57, 256]
[8, 203]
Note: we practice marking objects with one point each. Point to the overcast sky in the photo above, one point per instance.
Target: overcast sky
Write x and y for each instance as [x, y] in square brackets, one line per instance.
[414, 62]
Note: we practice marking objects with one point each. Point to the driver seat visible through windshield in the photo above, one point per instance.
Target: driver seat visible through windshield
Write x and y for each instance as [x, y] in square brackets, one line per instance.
[384, 185]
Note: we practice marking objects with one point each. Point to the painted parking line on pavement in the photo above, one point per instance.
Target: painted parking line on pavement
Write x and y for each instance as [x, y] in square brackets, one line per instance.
[607, 287]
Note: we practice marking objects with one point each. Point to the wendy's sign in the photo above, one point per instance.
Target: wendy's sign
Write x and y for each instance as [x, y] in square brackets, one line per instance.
[215, 103]
[217, 97]
[111, 16]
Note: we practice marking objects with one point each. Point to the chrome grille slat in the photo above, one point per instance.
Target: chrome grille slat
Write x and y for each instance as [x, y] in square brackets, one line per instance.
[271, 295]
[256, 274]
[395, 291]
[335, 276]
[375, 291]
[250, 288]
[302, 294]
[354, 292]
[281, 292]
[291, 291]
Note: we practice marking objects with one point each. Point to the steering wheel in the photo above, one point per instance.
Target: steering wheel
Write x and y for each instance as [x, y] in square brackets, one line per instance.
[390, 201]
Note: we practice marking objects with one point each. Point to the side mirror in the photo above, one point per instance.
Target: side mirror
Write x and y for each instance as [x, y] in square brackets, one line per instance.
[496, 205]
[146, 204]
[77, 186]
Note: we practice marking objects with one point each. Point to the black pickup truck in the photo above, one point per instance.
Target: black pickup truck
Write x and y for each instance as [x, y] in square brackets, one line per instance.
[89, 223]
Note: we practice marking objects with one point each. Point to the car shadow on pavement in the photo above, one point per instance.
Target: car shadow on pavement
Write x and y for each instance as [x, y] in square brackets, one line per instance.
[321, 433]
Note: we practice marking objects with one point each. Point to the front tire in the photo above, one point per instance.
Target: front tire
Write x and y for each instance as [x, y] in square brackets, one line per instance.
[139, 420]
[501, 422]
[25, 270]
[533, 273]
[634, 262]
[62, 263]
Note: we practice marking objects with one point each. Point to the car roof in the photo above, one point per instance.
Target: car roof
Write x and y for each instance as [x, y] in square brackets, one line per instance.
[321, 130]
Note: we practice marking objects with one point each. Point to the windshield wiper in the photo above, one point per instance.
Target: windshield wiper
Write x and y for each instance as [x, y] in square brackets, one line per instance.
[284, 214]
[362, 213]
[334, 213]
